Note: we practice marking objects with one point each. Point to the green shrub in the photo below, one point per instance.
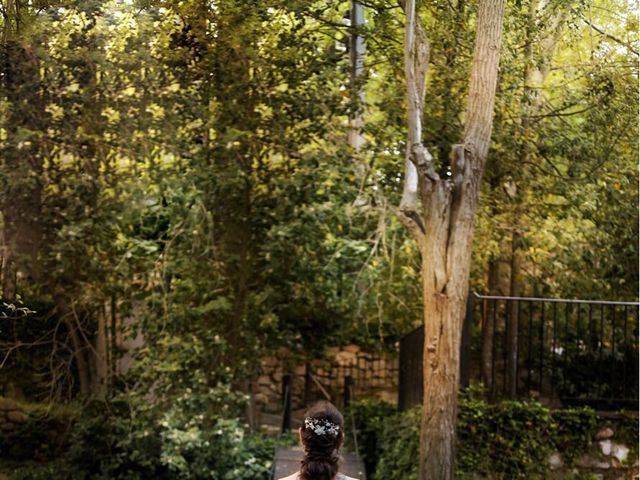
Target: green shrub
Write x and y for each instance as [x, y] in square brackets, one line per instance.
[574, 431]
[508, 440]
[42, 437]
[519, 435]
[400, 446]
[116, 439]
[56, 470]
[188, 439]
[625, 426]
[473, 432]
[368, 417]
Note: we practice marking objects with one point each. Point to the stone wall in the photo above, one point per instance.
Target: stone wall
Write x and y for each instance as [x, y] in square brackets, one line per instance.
[11, 415]
[609, 459]
[374, 374]
[32, 431]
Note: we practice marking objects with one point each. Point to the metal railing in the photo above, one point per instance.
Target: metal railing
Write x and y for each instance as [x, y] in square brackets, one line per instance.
[568, 351]
[564, 351]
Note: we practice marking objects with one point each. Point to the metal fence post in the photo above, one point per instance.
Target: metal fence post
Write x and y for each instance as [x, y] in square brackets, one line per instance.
[307, 384]
[348, 385]
[286, 398]
[465, 342]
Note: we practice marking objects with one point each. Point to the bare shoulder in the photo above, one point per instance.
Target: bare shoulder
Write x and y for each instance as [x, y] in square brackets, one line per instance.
[291, 477]
[295, 476]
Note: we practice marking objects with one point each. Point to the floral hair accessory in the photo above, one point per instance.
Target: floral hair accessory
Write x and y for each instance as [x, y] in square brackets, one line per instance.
[321, 426]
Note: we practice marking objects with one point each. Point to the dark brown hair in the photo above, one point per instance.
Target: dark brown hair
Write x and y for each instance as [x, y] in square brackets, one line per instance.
[321, 455]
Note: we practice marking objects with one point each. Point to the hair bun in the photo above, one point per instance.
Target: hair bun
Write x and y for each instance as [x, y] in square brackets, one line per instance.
[322, 433]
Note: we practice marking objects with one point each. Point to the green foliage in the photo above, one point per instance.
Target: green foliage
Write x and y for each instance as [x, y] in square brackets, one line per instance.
[39, 471]
[519, 434]
[514, 439]
[189, 185]
[578, 368]
[400, 446]
[189, 438]
[574, 431]
[368, 418]
[507, 440]
[43, 437]
[625, 426]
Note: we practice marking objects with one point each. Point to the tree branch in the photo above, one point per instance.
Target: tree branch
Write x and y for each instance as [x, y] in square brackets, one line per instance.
[411, 219]
[611, 37]
[423, 161]
[416, 63]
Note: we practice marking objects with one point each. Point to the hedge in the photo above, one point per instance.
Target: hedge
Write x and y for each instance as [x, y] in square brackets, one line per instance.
[507, 440]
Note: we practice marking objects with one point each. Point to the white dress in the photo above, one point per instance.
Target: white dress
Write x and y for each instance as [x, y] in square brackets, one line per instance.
[339, 476]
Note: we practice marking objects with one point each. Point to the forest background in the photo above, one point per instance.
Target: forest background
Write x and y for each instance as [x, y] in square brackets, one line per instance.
[177, 176]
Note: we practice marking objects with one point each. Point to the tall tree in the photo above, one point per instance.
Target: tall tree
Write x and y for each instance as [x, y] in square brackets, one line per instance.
[439, 213]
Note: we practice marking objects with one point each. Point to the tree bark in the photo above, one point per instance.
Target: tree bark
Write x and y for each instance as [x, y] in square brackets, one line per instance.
[21, 205]
[534, 75]
[101, 381]
[443, 227]
[68, 317]
[512, 318]
[487, 329]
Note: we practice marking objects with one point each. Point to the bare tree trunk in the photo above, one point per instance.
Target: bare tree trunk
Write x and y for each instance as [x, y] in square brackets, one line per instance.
[534, 74]
[113, 336]
[355, 137]
[79, 347]
[21, 206]
[512, 318]
[443, 226]
[101, 380]
[487, 329]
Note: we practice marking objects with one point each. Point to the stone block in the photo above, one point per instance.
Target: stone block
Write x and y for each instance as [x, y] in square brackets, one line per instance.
[600, 464]
[345, 358]
[260, 398]
[605, 447]
[584, 461]
[7, 426]
[604, 434]
[388, 396]
[264, 380]
[332, 351]
[352, 348]
[7, 404]
[620, 452]
[269, 362]
[555, 461]
[17, 417]
[615, 463]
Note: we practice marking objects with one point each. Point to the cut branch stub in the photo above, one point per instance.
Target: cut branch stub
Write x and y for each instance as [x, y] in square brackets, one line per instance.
[457, 166]
[412, 221]
[423, 161]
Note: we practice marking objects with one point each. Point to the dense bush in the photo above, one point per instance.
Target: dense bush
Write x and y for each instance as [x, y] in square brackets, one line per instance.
[400, 447]
[576, 376]
[367, 417]
[574, 429]
[186, 440]
[515, 440]
[509, 440]
[42, 437]
[191, 438]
